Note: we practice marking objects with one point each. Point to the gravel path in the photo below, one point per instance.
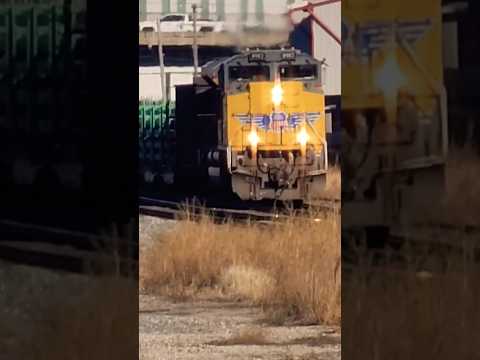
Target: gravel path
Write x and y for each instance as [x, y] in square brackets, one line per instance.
[199, 330]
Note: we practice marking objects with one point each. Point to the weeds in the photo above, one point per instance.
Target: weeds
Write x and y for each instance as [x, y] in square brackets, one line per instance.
[49, 315]
[99, 324]
[417, 313]
[291, 269]
[334, 184]
[404, 316]
[462, 203]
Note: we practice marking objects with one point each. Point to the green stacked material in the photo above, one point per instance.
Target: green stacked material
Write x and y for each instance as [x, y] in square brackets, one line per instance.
[35, 33]
[153, 116]
[140, 121]
[147, 120]
[153, 120]
[4, 17]
[21, 34]
[158, 113]
[43, 23]
[141, 150]
[172, 110]
[157, 121]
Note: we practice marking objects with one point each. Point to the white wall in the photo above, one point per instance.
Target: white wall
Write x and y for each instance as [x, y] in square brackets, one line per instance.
[150, 85]
[326, 47]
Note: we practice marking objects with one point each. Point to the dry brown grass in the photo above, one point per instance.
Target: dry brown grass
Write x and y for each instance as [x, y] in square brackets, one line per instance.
[334, 183]
[414, 313]
[333, 186]
[54, 315]
[100, 324]
[248, 282]
[404, 316]
[47, 315]
[291, 268]
[462, 205]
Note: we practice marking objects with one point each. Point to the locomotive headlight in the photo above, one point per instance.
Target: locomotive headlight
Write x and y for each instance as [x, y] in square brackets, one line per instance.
[277, 94]
[302, 137]
[253, 138]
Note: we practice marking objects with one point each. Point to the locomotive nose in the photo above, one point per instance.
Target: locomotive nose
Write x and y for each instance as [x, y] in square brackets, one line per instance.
[277, 94]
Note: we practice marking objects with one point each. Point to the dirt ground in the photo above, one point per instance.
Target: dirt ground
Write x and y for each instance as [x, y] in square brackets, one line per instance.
[221, 329]
[206, 329]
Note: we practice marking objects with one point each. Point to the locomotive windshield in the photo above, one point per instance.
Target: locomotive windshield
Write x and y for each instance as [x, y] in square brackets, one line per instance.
[249, 73]
[304, 72]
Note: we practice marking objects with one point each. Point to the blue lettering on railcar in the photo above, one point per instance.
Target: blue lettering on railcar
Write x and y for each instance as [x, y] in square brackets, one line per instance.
[278, 121]
[372, 36]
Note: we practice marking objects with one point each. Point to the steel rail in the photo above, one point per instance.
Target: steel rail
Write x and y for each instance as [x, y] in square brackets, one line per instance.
[62, 250]
[175, 210]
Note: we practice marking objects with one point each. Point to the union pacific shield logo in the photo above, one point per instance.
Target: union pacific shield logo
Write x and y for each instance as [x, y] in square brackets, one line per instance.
[277, 121]
[373, 36]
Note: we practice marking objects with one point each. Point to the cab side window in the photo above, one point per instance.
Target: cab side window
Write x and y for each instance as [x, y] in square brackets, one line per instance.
[249, 73]
[304, 72]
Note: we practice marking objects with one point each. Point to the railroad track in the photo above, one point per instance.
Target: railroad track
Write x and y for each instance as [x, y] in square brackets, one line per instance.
[77, 252]
[60, 249]
[220, 212]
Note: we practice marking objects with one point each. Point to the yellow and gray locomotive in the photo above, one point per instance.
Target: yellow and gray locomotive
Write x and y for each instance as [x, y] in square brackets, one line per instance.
[255, 122]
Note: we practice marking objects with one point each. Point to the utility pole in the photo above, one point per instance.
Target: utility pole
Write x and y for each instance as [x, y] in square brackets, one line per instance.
[195, 46]
[162, 65]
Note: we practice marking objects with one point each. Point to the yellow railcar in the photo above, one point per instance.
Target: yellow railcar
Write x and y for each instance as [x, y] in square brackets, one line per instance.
[394, 111]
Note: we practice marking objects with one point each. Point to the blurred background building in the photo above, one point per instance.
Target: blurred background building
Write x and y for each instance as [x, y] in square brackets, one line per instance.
[270, 22]
[252, 13]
